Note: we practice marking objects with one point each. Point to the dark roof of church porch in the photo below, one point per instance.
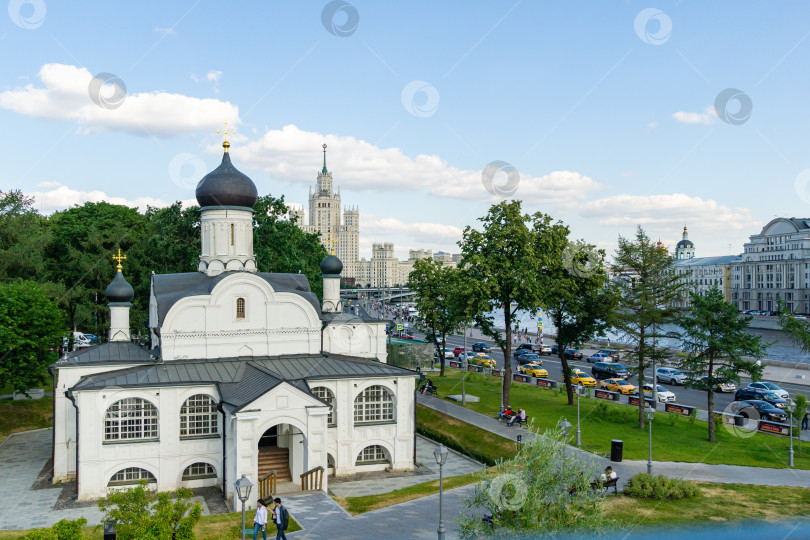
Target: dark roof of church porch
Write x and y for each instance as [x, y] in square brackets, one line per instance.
[110, 352]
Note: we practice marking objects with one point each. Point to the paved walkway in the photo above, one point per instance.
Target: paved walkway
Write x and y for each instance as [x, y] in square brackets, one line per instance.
[456, 464]
[725, 474]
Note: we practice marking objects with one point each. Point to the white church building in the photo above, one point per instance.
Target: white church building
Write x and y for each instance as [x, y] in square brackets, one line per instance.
[248, 374]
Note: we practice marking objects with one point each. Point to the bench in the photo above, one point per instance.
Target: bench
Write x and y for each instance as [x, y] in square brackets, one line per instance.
[518, 421]
[431, 391]
[607, 484]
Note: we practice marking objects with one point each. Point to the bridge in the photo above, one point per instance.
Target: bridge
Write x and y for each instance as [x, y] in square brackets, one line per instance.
[387, 295]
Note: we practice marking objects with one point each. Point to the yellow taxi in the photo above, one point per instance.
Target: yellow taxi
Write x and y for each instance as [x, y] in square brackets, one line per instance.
[482, 359]
[618, 385]
[534, 369]
[579, 377]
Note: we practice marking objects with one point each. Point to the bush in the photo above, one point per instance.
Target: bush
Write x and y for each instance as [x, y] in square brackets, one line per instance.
[140, 513]
[659, 487]
[63, 530]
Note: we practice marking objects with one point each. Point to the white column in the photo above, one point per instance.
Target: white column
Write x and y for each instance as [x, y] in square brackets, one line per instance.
[119, 321]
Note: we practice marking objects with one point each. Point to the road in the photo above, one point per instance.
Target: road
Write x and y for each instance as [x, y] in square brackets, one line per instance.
[684, 396]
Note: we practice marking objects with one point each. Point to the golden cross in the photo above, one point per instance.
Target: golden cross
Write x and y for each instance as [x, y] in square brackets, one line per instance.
[225, 132]
[119, 258]
[331, 242]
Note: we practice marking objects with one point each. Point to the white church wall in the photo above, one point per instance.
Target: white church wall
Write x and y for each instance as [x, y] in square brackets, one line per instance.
[166, 458]
[357, 338]
[207, 326]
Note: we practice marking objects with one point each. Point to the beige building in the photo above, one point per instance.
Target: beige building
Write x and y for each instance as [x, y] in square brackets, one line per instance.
[384, 269]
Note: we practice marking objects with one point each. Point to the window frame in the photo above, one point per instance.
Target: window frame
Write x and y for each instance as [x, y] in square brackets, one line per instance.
[199, 417]
[199, 476]
[241, 315]
[376, 459]
[331, 420]
[134, 417]
[150, 478]
[385, 406]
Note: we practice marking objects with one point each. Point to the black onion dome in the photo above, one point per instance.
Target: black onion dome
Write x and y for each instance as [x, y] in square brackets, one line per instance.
[119, 290]
[226, 186]
[331, 265]
[685, 244]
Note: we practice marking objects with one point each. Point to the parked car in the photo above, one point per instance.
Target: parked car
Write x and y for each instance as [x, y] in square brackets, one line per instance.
[618, 385]
[613, 370]
[580, 378]
[599, 357]
[613, 353]
[543, 349]
[720, 385]
[520, 352]
[756, 408]
[762, 395]
[671, 375]
[534, 370]
[525, 347]
[573, 354]
[529, 358]
[481, 347]
[662, 393]
[447, 354]
[482, 359]
[770, 387]
[458, 350]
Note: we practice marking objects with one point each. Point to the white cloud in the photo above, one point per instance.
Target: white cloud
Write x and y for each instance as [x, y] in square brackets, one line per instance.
[165, 31]
[64, 197]
[65, 96]
[706, 117]
[48, 185]
[293, 155]
[669, 211]
[213, 76]
[420, 232]
[652, 124]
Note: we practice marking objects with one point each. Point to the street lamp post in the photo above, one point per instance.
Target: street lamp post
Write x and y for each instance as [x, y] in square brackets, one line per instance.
[243, 486]
[440, 455]
[580, 391]
[650, 413]
[791, 406]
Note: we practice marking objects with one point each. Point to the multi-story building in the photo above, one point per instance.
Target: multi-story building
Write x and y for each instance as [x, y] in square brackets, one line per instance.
[339, 235]
[775, 266]
[702, 274]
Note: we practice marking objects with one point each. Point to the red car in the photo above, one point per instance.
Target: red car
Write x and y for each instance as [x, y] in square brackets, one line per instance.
[458, 350]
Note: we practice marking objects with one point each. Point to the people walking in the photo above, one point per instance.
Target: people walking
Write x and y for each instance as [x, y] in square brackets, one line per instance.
[260, 521]
[281, 518]
[805, 420]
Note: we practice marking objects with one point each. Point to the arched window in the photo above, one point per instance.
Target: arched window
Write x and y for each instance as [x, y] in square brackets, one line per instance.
[240, 308]
[131, 475]
[199, 470]
[198, 416]
[325, 394]
[131, 418]
[372, 454]
[374, 404]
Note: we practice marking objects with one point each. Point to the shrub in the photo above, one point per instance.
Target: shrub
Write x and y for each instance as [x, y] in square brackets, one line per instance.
[659, 487]
[138, 513]
[63, 530]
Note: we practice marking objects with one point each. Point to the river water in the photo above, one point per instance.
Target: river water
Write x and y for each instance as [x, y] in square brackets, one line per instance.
[781, 347]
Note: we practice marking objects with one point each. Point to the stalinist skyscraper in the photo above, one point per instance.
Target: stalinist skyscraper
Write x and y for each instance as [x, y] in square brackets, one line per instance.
[325, 219]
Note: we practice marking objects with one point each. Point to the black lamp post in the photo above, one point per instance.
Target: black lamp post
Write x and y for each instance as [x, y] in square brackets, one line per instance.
[650, 413]
[243, 486]
[440, 454]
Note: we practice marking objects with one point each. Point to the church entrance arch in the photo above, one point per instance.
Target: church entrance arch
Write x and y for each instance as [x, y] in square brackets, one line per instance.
[282, 448]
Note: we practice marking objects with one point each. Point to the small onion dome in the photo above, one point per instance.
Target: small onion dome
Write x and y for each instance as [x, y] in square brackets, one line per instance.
[226, 186]
[685, 244]
[331, 265]
[119, 290]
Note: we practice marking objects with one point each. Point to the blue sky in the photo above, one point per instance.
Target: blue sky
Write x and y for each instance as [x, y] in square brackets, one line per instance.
[610, 122]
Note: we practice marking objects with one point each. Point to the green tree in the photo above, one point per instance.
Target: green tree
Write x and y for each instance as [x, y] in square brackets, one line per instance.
[23, 237]
[141, 514]
[31, 326]
[437, 299]
[281, 246]
[82, 241]
[502, 266]
[798, 330]
[62, 530]
[646, 286]
[577, 300]
[800, 400]
[716, 339]
[543, 491]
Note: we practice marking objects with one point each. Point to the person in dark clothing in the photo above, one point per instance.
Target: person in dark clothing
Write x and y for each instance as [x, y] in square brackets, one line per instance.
[281, 517]
[805, 421]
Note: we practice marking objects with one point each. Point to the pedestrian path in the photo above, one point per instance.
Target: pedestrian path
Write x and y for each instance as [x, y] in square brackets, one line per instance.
[724, 474]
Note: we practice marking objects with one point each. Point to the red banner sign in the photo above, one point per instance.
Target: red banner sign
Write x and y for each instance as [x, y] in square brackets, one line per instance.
[544, 382]
[455, 364]
[520, 378]
[633, 400]
[473, 368]
[683, 410]
[604, 394]
[497, 373]
[773, 427]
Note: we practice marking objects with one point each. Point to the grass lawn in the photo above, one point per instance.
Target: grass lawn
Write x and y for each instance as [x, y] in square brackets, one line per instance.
[23, 415]
[216, 527]
[720, 503]
[674, 438]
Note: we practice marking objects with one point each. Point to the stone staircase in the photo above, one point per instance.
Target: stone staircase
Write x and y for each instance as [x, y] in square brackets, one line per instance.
[275, 458]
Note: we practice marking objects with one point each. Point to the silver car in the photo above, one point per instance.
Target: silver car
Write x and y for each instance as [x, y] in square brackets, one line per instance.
[670, 375]
[770, 387]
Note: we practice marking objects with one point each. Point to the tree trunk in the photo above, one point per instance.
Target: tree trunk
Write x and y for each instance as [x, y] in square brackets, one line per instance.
[641, 377]
[569, 390]
[507, 355]
[711, 401]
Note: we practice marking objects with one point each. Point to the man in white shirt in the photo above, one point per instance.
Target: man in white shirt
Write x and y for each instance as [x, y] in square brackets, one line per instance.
[260, 521]
[608, 474]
